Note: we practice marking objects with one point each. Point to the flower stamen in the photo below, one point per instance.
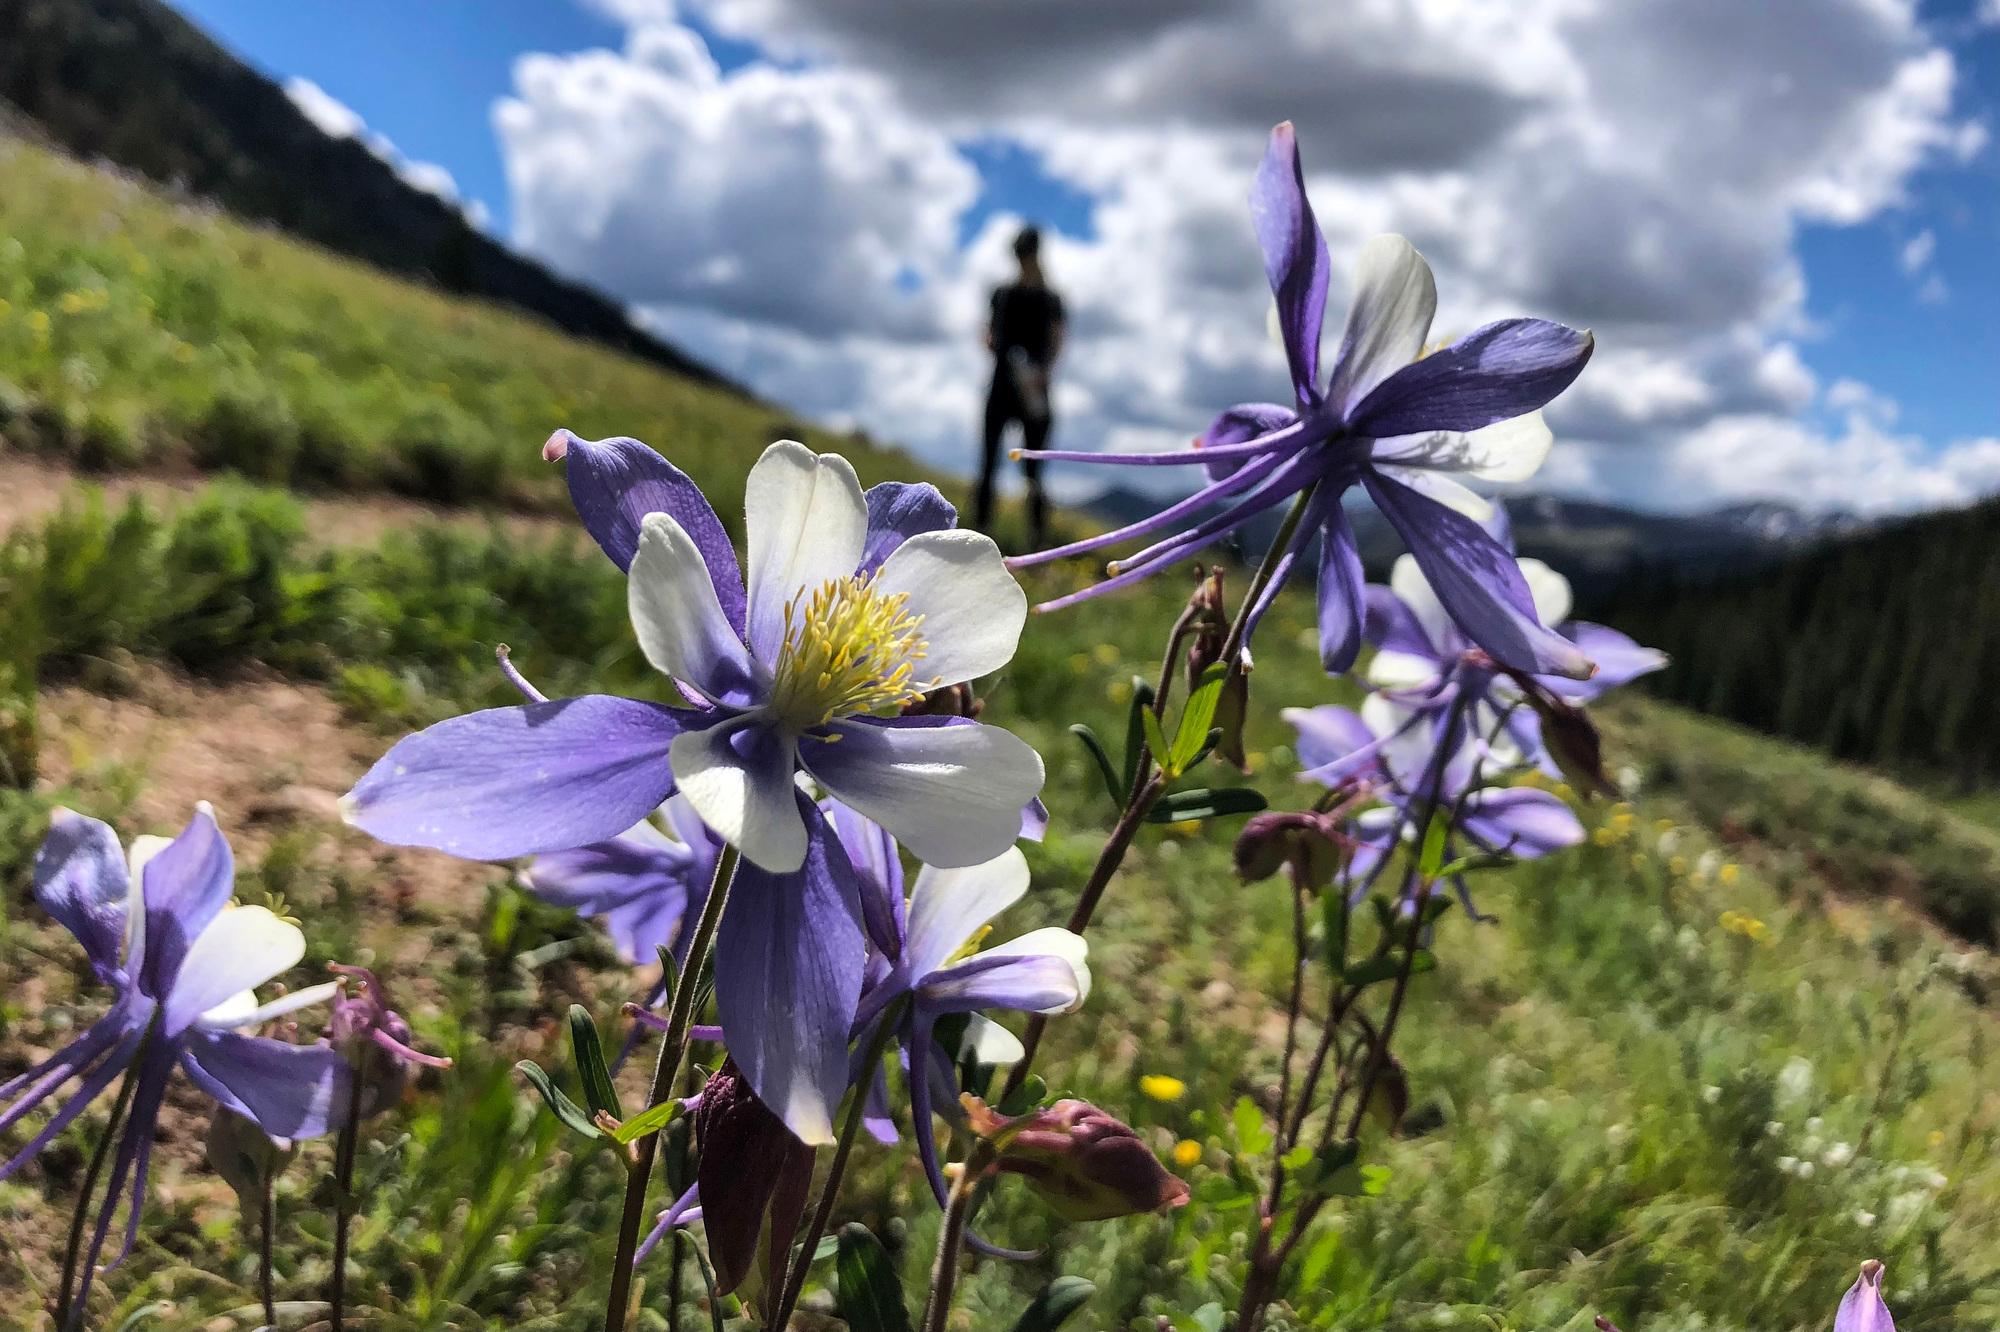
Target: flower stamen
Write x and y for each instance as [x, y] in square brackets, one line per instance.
[849, 649]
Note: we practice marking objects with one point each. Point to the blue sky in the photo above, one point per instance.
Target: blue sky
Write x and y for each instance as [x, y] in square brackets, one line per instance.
[1898, 297]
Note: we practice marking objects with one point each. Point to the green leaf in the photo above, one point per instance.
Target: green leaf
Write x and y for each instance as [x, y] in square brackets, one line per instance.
[1031, 1093]
[649, 1120]
[1432, 858]
[1297, 1157]
[1056, 1302]
[590, 1066]
[1387, 966]
[1156, 740]
[868, 1294]
[1202, 803]
[1088, 739]
[1197, 717]
[1135, 730]
[707, 1277]
[1209, 1318]
[1333, 1173]
[1467, 864]
[1251, 1136]
[569, 1112]
[828, 1246]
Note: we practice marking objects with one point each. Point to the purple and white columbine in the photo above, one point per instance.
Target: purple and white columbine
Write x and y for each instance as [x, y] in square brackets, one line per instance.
[855, 606]
[1425, 662]
[1389, 418]
[1389, 754]
[1862, 1309]
[161, 932]
[927, 952]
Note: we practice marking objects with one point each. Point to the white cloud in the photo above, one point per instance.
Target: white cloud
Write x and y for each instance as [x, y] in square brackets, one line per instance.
[1640, 169]
[1918, 251]
[338, 120]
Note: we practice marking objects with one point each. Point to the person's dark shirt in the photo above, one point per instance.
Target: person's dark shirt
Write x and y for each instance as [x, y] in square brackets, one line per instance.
[1025, 317]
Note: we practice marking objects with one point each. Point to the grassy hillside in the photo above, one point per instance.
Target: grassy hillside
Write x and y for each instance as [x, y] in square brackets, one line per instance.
[133, 82]
[1688, 1076]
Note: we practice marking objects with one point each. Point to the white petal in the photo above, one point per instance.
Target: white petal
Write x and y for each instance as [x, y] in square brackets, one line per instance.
[948, 905]
[738, 777]
[1550, 591]
[807, 523]
[990, 1043]
[1400, 670]
[973, 609]
[1053, 941]
[243, 1010]
[952, 795]
[1511, 450]
[1407, 581]
[1394, 299]
[1406, 747]
[679, 624]
[1442, 489]
[242, 948]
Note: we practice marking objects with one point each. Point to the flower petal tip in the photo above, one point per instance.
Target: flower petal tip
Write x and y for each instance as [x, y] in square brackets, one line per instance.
[557, 446]
[350, 810]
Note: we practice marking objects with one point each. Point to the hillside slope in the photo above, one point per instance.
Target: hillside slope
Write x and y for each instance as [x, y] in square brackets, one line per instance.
[134, 82]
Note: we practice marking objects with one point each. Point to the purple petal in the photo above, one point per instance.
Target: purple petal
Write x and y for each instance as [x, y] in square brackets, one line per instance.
[1477, 581]
[1034, 820]
[1281, 568]
[1239, 425]
[185, 886]
[1496, 373]
[1862, 1308]
[899, 510]
[1340, 598]
[1619, 660]
[1295, 258]
[80, 879]
[872, 853]
[1520, 821]
[639, 887]
[517, 781]
[615, 483]
[1027, 983]
[788, 978]
[120, 1032]
[1328, 734]
[134, 1144]
[289, 1091]
[1391, 626]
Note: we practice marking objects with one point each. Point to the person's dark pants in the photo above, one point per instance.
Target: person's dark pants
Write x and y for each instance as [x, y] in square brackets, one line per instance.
[1003, 408]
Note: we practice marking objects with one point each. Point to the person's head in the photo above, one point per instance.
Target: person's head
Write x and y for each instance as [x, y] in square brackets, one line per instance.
[1028, 251]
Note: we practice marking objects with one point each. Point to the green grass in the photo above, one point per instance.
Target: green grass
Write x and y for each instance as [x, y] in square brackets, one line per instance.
[1621, 1076]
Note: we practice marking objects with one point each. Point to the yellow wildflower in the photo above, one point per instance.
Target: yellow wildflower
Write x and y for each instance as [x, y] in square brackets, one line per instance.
[1187, 1152]
[1161, 1087]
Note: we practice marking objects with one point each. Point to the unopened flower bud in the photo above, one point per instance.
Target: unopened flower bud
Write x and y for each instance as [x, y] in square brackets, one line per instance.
[1309, 845]
[375, 1039]
[754, 1176]
[1209, 633]
[1086, 1165]
[1571, 738]
[1862, 1308]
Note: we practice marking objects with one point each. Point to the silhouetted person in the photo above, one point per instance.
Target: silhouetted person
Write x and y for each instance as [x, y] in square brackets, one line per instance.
[1025, 334]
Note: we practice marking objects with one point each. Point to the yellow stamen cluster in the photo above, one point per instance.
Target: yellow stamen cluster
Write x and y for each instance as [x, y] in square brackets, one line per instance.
[848, 649]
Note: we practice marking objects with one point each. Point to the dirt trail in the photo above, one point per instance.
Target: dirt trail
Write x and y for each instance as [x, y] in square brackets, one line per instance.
[32, 488]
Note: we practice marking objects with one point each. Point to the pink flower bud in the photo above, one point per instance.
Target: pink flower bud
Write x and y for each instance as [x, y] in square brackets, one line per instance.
[1086, 1165]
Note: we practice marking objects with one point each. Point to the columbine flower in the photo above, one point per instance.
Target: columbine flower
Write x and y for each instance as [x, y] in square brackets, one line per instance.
[1862, 1308]
[161, 932]
[930, 955]
[1389, 754]
[1390, 419]
[374, 1038]
[1086, 1165]
[646, 885]
[855, 607]
[1425, 661]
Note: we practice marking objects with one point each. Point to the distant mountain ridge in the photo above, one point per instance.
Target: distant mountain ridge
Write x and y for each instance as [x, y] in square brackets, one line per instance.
[134, 82]
[1602, 548]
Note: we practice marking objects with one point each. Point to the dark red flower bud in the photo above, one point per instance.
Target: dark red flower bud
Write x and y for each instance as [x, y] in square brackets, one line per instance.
[1309, 845]
[754, 1176]
[1572, 739]
[1086, 1165]
[956, 700]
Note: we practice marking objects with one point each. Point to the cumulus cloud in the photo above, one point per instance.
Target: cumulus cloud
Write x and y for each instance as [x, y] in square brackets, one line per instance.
[338, 120]
[1640, 169]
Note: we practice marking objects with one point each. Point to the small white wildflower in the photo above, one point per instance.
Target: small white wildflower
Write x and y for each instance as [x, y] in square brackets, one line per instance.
[1711, 1093]
[1838, 1155]
[1795, 1082]
[1773, 1127]
[1805, 1170]
[1813, 1124]
[1864, 1218]
[1617, 1134]
[1629, 780]
[1788, 1163]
